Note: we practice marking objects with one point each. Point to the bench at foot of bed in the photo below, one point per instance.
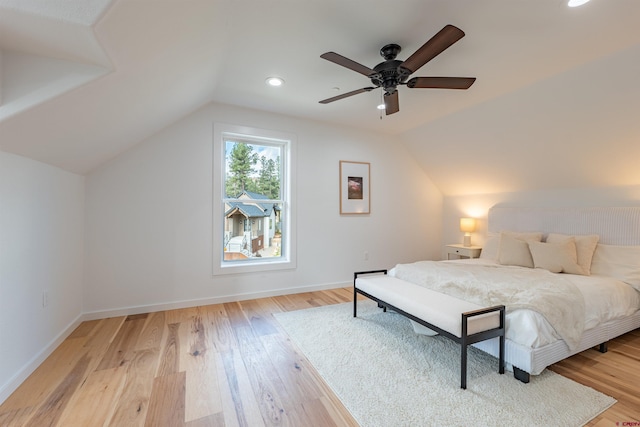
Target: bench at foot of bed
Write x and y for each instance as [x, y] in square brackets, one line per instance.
[463, 322]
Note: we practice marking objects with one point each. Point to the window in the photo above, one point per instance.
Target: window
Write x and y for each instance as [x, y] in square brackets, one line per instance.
[253, 218]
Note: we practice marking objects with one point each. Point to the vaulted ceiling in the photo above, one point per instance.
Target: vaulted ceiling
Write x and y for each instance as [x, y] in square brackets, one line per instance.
[555, 103]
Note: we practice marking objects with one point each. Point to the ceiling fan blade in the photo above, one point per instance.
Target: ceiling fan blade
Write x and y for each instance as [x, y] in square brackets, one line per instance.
[441, 82]
[391, 103]
[345, 95]
[435, 46]
[348, 63]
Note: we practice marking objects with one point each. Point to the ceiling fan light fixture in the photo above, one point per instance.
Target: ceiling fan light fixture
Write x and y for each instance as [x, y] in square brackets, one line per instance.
[576, 3]
[381, 106]
[274, 81]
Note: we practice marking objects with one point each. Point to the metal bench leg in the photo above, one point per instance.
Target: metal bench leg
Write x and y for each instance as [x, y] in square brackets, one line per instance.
[463, 366]
[501, 360]
[355, 302]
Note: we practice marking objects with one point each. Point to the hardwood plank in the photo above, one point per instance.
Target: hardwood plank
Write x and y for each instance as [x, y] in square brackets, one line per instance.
[267, 386]
[169, 358]
[220, 334]
[337, 411]
[180, 315]
[121, 349]
[16, 417]
[84, 329]
[236, 316]
[44, 380]
[104, 332]
[95, 400]
[50, 411]
[292, 302]
[258, 318]
[215, 420]
[314, 412]
[166, 406]
[240, 406]
[292, 368]
[133, 403]
[197, 360]
[202, 398]
[152, 332]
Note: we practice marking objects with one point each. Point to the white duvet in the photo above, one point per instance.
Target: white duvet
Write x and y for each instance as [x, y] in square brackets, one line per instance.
[605, 299]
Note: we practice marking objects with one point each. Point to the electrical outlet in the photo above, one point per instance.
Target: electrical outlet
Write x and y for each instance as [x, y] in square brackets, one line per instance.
[45, 298]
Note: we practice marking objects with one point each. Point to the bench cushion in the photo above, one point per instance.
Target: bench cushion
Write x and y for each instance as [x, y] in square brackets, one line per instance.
[440, 310]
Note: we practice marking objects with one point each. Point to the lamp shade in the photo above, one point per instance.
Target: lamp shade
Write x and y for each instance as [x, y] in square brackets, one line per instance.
[467, 225]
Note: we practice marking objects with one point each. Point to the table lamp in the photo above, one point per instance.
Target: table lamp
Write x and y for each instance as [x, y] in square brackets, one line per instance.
[467, 225]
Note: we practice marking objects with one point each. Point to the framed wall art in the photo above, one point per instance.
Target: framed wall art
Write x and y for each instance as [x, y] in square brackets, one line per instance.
[355, 188]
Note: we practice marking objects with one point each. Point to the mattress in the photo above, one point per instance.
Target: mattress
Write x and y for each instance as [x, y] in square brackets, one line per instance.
[606, 299]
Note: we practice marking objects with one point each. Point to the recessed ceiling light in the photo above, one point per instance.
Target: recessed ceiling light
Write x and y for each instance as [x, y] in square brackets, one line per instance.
[576, 3]
[381, 106]
[274, 81]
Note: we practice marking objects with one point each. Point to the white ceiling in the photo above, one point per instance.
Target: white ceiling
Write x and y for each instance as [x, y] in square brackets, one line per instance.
[84, 80]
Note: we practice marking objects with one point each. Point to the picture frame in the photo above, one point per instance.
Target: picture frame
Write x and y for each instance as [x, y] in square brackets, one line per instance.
[355, 188]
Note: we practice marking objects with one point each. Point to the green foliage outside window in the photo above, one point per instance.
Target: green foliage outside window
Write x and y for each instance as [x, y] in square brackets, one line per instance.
[249, 171]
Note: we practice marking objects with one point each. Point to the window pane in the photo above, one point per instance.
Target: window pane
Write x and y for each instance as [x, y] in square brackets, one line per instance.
[252, 167]
[252, 237]
[252, 202]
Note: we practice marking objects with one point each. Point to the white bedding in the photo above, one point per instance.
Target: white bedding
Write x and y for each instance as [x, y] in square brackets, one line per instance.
[605, 299]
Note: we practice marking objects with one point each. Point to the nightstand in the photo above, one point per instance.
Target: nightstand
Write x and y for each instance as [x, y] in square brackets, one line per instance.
[463, 251]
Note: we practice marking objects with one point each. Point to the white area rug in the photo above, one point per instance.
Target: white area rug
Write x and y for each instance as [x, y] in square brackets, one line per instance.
[386, 375]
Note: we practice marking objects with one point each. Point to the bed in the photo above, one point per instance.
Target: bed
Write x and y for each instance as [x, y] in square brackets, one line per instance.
[578, 288]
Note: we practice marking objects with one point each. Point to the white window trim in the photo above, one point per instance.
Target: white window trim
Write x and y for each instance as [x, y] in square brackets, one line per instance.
[288, 258]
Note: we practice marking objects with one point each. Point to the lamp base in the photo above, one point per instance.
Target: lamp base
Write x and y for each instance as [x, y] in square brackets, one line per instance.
[467, 241]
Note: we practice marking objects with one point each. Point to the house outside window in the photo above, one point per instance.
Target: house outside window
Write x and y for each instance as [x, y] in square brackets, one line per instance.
[254, 209]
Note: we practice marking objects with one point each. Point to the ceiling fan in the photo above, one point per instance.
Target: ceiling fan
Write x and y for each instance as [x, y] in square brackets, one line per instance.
[392, 72]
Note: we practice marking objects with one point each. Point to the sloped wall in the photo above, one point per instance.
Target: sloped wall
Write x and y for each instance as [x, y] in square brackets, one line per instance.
[41, 252]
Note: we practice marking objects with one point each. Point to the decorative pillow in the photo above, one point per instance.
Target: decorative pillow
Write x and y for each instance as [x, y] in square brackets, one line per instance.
[556, 257]
[490, 248]
[513, 251]
[620, 262]
[585, 247]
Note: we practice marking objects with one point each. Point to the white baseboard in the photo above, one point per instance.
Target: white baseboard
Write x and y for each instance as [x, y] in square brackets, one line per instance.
[15, 381]
[150, 308]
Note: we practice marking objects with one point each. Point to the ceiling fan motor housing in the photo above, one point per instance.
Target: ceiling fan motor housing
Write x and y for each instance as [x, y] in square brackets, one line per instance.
[389, 74]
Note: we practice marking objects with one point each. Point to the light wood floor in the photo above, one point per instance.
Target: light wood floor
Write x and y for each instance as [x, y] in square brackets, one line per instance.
[231, 365]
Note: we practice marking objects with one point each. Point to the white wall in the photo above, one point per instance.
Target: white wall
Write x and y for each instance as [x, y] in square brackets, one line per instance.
[149, 227]
[477, 205]
[41, 250]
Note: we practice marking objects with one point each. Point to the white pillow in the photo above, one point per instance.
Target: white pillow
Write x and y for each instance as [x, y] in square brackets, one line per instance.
[490, 248]
[585, 247]
[513, 251]
[556, 257]
[620, 262]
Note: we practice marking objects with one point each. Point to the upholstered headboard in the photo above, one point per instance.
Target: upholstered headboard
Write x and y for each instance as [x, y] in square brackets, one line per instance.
[614, 225]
